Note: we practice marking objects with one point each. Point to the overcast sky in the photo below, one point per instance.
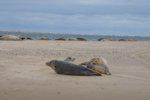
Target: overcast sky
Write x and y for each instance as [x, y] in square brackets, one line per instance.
[111, 17]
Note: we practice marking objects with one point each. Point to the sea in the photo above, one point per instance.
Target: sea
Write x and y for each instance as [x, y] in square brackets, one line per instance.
[52, 36]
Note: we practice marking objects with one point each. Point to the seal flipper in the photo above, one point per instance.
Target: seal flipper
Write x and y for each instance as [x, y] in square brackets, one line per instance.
[70, 59]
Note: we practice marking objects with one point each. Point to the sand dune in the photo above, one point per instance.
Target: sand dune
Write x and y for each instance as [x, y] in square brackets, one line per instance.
[24, 75]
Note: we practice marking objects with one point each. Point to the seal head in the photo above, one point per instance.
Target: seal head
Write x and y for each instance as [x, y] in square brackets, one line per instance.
[51, 64]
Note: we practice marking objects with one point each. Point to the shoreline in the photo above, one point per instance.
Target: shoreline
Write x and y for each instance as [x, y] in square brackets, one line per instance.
[71, 37]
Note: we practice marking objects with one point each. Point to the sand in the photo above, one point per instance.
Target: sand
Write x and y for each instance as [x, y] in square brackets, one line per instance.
[24, 75]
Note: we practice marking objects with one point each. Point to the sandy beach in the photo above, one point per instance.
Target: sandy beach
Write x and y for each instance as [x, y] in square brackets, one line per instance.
[24, 75]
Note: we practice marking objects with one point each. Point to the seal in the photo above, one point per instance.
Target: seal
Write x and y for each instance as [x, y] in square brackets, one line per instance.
[10, 38]
[97, 64]
[67, 68]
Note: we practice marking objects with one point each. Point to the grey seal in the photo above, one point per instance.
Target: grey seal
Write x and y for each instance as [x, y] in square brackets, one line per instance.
[68, 68]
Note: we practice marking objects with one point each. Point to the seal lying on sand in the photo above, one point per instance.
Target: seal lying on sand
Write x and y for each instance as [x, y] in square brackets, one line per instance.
[10, 38]
[67, 68]
[97, 64]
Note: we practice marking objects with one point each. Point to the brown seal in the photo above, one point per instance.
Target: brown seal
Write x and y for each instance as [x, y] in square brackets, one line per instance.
[97, 64]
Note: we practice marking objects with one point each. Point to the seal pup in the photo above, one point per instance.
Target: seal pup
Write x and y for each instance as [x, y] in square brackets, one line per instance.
[67, 68]
[97, 64]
